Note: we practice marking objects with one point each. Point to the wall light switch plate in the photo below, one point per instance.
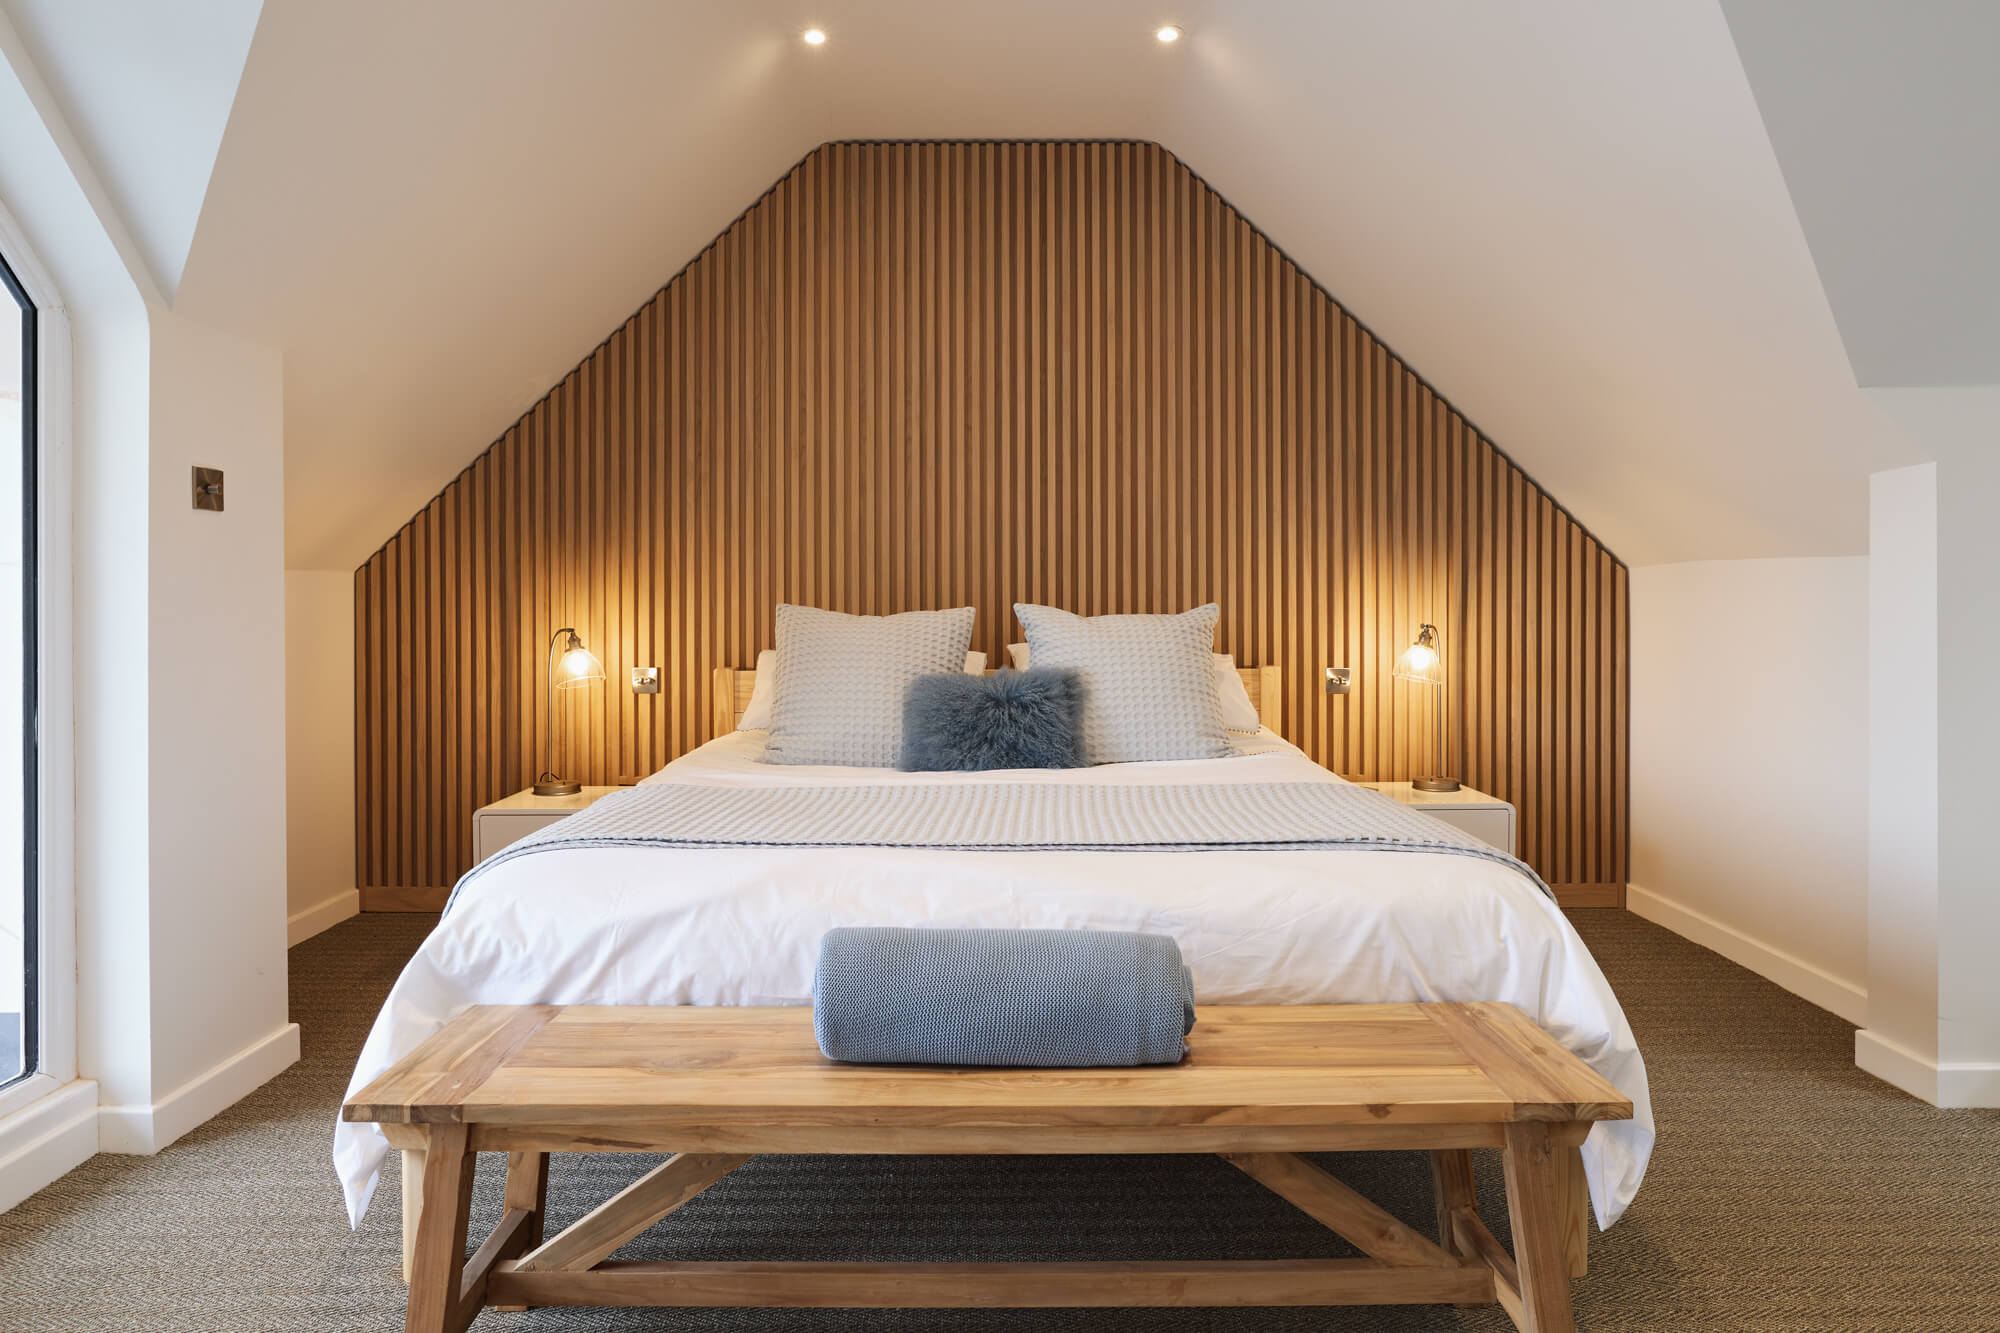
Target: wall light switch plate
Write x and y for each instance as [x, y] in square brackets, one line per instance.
[645, 680]
[208, 488]
[1338, 680]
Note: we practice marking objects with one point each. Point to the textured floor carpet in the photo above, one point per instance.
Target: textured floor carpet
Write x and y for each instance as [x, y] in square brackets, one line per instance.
[1789, 1192]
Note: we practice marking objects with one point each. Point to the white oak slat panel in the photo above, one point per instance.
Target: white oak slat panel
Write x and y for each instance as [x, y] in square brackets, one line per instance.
[932, 374]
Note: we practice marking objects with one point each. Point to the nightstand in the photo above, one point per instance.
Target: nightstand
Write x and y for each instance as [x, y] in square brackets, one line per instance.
[512, 818]
[1487, 818]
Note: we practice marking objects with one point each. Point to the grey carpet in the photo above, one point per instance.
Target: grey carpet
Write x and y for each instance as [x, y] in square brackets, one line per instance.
[1789, 1192]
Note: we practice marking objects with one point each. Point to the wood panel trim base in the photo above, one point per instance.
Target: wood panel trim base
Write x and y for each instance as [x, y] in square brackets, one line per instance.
[404, 900]
[1589, 895]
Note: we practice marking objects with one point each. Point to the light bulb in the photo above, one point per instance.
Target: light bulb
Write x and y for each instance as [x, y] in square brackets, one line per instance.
[1418, 660]
[1168, 33]
[814, 37]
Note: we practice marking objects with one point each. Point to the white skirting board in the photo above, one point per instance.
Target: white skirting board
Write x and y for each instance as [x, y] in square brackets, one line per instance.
[1941, 1083]
[1834, 994]
[303, 925]
[147, 1129]
[47, 1139]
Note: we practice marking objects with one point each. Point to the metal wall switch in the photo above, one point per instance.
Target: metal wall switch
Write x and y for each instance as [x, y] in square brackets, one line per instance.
[208, 488]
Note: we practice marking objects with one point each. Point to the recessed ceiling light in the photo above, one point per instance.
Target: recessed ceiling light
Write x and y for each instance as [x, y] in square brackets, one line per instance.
[1168, 33]
[814, 37]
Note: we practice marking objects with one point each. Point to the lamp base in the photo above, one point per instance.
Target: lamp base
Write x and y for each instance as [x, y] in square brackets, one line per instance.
[551, 785]
[1434, 784]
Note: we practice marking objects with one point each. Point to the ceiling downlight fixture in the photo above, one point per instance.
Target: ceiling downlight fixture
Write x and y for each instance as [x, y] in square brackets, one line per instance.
[814, 36]
[1168, 32]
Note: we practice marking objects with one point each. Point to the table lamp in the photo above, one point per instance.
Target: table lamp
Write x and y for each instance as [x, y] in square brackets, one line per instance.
[576, 667]
[1422, 663]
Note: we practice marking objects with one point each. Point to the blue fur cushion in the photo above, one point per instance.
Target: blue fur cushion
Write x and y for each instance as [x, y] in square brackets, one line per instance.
[1011, 719]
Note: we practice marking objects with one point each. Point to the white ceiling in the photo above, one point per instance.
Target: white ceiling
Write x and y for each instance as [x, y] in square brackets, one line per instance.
[1886, 118]
[147, 90]
[1565, 214]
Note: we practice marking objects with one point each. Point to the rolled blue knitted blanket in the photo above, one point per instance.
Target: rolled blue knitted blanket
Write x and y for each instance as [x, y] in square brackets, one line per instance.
[1045, 998]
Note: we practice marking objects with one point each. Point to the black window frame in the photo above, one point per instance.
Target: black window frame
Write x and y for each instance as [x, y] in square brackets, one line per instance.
[31, 895]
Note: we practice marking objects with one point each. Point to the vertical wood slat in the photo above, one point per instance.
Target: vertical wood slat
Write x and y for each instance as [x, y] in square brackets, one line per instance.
[922, 374]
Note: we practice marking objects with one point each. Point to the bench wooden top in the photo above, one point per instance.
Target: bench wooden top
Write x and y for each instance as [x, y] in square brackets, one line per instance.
[1383, 1064]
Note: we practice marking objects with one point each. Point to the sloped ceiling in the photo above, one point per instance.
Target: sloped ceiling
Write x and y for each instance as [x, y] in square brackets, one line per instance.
[436, 209]
[1886, 119]
[147, 89]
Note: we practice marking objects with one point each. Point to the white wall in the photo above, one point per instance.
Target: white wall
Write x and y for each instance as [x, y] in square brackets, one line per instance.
[1934, 998]
[319, 749]
[1969, 770]
[1903, 763]
[216, 757]
[1750, 763]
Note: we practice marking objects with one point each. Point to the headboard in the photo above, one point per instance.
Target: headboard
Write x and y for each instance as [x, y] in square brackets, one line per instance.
[733, 687]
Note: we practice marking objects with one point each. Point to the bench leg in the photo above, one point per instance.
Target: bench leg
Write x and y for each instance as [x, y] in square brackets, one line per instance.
[1576, 1210]
[1451, 1182]
[438, 1264]
[413, 1203]
[528, 1190]
[1535, 1184]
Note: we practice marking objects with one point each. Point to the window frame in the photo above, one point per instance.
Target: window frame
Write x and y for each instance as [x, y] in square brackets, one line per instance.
[31, 879]
[48, 840]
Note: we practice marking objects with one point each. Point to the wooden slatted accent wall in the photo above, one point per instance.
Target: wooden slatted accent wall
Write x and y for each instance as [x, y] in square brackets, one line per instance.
[931, 374]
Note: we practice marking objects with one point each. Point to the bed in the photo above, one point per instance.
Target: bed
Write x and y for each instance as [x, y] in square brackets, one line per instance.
[694, 925]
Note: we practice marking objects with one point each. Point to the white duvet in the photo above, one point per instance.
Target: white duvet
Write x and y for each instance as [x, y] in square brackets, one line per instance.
[737, 926]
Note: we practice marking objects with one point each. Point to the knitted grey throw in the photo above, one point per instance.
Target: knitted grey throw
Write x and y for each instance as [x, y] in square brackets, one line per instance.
[1042, 998]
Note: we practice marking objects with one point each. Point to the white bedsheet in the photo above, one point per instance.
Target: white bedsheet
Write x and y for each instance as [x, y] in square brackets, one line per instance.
[741, 926]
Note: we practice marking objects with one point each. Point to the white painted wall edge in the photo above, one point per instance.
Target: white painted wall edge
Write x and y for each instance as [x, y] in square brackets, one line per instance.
[1834, 994]
[147, 1129]
[1946, 1084]
[322, 915]
[47, 1139]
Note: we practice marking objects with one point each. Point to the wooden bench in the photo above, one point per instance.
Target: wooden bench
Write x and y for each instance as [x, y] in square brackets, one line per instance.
[717, 1086]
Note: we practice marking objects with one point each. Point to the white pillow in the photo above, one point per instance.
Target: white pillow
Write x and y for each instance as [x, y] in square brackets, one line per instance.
[1149, 684]
[842, 681]
[757, 717]
[1238, 713]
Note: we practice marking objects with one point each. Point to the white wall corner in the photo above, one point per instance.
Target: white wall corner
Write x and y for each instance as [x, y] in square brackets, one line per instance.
[1954, 1085]
[1896, 1065]
[47, 1139]
[322, 915]
[1836, 995]
[145, 1130]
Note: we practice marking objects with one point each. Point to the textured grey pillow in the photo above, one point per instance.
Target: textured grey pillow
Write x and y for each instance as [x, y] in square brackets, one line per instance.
[1011, 719]
[1149, 681]
[841, 681]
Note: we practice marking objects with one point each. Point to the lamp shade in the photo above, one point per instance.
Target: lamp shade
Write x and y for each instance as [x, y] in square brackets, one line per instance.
[1420, 663]
[578, 667]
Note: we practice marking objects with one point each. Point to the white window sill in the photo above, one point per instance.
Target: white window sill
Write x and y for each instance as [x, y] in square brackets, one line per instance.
[46, 1130]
